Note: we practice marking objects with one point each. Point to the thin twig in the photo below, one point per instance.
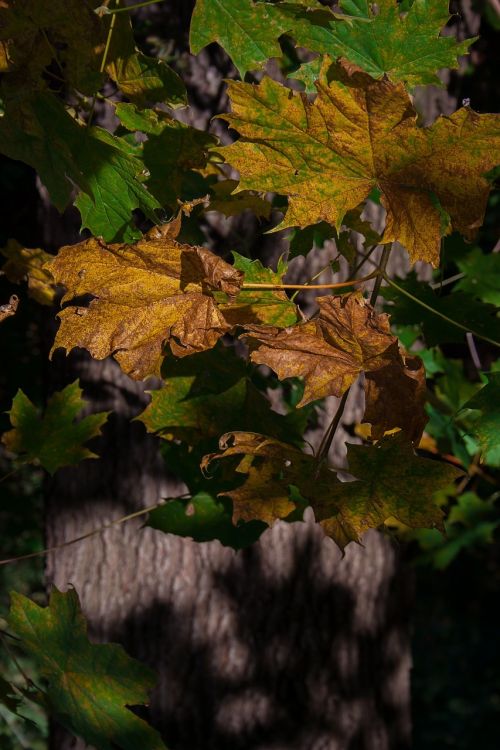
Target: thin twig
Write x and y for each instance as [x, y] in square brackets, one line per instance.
[9, 474]
[381, 273]
[310, 287]
[473, 351]
[104, 60]
[116, 522]
[133, 7]
[450, 280]
[438, 313]
[326, 442]
[363, 260]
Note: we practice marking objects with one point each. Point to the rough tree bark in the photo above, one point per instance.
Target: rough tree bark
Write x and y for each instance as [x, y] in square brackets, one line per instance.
[284, 646]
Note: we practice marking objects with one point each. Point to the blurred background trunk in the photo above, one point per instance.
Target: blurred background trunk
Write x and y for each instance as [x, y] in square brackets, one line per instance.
[284, 646]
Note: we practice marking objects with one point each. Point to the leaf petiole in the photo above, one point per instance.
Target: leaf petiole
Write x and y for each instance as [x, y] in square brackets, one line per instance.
[311, 287]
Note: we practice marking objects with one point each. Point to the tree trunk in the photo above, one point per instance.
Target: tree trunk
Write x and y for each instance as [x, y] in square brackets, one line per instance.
[286, 645]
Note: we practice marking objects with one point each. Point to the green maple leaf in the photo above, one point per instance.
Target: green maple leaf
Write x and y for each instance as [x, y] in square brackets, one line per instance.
[142, 79]
[53, 438]
[260, 305]
[248, 31]
[404, 46]
[39, 131]
[482, 276]
[190, 408]
[486, 425]
[392, 482]
[9, 698]
[471, 522]
[88, 686]
[171, 148]
[204, 518]
[459, 306]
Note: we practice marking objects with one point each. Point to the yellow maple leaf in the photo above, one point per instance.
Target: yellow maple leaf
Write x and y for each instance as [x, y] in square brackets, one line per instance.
[31, 265]
[360, 134]
[155, 292]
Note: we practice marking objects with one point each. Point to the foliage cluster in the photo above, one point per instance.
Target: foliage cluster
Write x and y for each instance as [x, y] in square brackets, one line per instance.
[316, 142]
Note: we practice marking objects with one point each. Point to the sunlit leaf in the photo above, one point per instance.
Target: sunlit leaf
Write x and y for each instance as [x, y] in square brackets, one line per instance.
[142, 79]
[392, 482]
[329, 351]
[268, 306]
[404, 46]
[9, 308]
[360, 134]
[147, 295]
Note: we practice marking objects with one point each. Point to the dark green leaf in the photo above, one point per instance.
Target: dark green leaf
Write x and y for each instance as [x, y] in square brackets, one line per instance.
[170, 153]
[89, 687]
[486, 425]
[205, 518]
[459, 306]
[53, 438]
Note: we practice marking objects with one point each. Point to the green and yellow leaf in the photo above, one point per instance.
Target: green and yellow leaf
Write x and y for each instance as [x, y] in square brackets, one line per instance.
[359, 134]
[89, 687]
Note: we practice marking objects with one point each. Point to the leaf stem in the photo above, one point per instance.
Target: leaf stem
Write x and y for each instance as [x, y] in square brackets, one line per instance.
[133, 7]
[364, 259]
[311, 287]
[327, 439]
[104, 57]
[13, 658]
[380, 274]
[116, 522]
[438, 313]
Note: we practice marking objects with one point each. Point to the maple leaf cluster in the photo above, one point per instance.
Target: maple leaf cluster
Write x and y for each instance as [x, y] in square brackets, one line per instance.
[243, 370]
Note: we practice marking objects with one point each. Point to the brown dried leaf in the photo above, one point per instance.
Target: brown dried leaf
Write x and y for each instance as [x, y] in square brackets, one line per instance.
[395, 398]
[392, 482]
[6, 311]
[147, 295]
[346, 338]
